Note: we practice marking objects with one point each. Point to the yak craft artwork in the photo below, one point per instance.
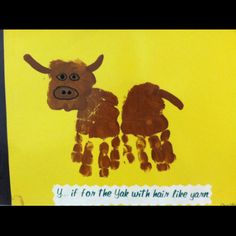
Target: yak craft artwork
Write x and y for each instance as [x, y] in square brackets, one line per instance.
[71, 88]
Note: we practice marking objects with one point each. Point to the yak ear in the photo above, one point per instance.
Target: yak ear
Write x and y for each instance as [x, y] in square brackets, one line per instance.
[33, 63]
[94, 66]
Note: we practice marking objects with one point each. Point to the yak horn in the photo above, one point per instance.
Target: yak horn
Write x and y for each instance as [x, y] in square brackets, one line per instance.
[31, 61]
[94, 66]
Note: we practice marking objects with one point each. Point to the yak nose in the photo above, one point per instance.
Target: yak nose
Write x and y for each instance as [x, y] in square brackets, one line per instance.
[65, 93]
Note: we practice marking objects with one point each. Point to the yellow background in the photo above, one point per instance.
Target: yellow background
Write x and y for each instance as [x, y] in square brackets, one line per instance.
[199, 67]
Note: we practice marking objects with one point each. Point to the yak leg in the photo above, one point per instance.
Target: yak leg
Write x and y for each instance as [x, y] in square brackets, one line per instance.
[167, 148]
[162, 151]
[85, 157]
[142, 155]
[87, 160]
[127, 149]
[77, 154]
[103, 160]
[115, 155]
[157, 153]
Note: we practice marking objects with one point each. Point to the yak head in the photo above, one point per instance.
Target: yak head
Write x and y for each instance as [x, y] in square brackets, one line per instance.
[70, 82]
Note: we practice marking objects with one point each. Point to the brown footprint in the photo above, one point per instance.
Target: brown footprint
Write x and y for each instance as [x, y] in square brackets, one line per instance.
[142, 116]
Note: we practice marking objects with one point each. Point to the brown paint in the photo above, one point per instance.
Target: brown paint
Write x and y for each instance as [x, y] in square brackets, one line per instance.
[65, 93]
[154, 141]
[130, 157]
[99, 120]
[103, 160]
[157, 155]
[85, 170]
[104, 172]
[115, 165]
[142, 116]
[76, 157]
[77, 154]
[163, 167]
[34, 64]
[115, 142]
[77, 148]
[171, 98]
[104, 148]
[141, 143]
[165, 135]
[146, 166]
[167, 150]
[124, 138]
[80, 88]
[87, 160]
[71, 88]
[142, 111]
[162, 153]
[88, 156]
[127, 150]
[142, 155]
[94, 66]
[115, 155]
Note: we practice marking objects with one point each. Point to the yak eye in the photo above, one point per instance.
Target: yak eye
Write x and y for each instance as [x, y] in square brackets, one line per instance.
[62, 76]
[74, 76]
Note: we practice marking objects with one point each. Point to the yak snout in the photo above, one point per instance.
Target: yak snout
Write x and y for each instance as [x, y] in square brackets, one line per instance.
[65, 93]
